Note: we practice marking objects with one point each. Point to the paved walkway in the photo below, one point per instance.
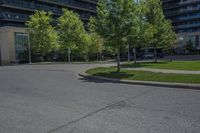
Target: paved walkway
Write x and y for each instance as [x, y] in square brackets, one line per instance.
[165, 70]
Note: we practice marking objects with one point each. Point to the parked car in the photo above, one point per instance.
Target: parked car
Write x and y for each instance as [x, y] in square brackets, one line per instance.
[148, 56]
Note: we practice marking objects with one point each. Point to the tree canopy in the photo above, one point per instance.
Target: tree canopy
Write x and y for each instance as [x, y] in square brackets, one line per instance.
[118, 23]
[42, 34]
[162, 34]
[114, 18]
[72, 34]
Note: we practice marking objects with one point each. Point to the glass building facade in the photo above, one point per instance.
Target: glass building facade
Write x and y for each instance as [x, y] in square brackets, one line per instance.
[185, 17]
[15, 13]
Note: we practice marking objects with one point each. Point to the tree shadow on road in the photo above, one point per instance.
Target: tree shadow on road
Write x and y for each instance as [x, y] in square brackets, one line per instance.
[97, 80]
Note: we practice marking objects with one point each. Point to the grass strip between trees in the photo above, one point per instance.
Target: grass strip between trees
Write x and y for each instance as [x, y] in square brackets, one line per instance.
[111, 72]
[175, 65]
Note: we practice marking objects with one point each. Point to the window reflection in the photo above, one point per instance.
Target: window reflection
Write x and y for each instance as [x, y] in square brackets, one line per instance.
[21, 44]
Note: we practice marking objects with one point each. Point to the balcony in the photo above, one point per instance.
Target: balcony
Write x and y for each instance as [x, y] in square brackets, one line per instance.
[18, 17]
[168, 6]
[54, 7]
[182, 11]
[187, 18]
[14, 17]
[72, 4]
[186, 26]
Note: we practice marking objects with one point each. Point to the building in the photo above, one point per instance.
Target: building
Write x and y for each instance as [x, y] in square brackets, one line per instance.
[14, 14]
[185, 17]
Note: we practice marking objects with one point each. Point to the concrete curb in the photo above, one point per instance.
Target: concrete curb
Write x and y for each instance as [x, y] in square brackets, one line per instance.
[146, 83]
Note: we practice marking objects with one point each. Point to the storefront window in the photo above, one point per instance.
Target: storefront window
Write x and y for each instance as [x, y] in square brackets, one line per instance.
[21, 45]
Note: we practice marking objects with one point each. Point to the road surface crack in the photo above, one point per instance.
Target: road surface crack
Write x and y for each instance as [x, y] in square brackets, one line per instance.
[108, 106]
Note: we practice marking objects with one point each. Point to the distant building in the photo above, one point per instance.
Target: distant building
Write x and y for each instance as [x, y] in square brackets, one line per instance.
[185, 17]
[14, 14]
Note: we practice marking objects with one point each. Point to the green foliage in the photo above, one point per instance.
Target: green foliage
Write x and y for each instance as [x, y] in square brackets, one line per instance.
[138, 26]
[114, 18]
[43, 37]
[162, 34]
[113, 21]
[72, 34]
[96, 45]
[118, 23]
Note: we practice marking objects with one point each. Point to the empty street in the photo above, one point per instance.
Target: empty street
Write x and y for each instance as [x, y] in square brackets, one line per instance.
[52, 98]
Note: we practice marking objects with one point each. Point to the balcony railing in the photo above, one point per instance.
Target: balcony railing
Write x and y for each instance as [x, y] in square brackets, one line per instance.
[31, 7]
[187, 26]
[180, 11]
[188, 17]
[180, 4]
[54, 7]
[24, 17]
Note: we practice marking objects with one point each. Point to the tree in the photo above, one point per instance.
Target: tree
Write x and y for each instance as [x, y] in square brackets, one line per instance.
[96, 46]
[170, 39]
[113, 23]
[139, 29]
[97, 42]
[72, 35]
[161, 27]
[43, 37]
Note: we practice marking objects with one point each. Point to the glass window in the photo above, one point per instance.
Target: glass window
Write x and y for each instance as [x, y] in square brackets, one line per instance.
[21, 43]
[191, 41]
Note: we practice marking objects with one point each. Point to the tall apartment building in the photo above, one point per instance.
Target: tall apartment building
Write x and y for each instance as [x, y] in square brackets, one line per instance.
[185, 17]
[14, 14]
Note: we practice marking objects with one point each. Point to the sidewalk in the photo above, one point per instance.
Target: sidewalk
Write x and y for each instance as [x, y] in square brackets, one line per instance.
[164, 70]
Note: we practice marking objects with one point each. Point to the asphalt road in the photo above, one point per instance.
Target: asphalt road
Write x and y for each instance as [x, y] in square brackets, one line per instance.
[54, 99]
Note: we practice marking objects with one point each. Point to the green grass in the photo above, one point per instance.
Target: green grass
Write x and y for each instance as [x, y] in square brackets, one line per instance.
[144, 75]
[175, 65]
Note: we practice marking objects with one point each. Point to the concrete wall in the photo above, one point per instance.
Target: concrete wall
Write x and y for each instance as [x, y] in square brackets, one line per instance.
[7, 43]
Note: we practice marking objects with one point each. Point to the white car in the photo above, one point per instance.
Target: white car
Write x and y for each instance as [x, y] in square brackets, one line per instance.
[148, 56]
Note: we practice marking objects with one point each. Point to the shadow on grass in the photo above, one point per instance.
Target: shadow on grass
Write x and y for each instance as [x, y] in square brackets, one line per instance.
[143, 64]
[91, 79]
[114, 74]
[108, 74]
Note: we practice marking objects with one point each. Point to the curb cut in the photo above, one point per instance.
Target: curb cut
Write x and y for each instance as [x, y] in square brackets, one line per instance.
[145, 83]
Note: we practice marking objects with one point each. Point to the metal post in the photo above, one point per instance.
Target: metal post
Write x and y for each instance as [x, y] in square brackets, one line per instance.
[128, 52]
[135, 55]
[100, 54]
[69, 55]
[29, 48]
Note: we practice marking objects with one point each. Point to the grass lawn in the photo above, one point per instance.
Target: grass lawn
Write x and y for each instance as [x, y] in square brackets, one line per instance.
[144, 75]
[175, 65]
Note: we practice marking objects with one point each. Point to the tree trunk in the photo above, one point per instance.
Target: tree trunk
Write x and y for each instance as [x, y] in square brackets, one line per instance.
[42, 58]
[155, 54]
[100, 58]
[118, 60]
[97, 56]
[171, 56]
